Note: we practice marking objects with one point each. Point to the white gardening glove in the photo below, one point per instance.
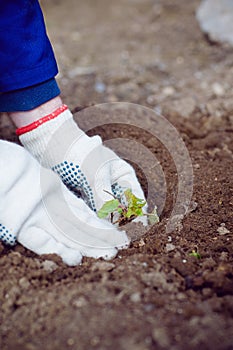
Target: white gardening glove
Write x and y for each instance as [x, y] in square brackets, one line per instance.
[38, 211]
[84, 164]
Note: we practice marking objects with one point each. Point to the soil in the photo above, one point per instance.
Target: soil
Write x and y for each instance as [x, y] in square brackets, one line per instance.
[154, 295]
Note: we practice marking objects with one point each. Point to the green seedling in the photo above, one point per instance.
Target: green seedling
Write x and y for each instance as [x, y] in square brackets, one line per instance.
[126, 212]
[195, 254]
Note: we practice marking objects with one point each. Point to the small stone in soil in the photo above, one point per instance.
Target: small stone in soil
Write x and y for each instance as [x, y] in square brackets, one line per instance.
[102, 266]
[24, 283]
[49, 265]
[160, 336]
[135, 297]
[218, 89]
[170, 247]
[222, 230]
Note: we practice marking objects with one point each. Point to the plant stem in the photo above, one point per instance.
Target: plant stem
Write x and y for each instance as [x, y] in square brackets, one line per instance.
[111, 194]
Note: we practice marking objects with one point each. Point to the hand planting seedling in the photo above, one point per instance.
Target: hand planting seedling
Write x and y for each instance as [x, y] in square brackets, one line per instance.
[126, 212]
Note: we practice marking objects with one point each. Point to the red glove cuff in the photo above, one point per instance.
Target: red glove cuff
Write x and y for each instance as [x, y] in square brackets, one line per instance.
[34, 125]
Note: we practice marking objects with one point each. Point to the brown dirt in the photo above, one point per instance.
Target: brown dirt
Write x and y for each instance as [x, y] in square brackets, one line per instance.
[153, 295]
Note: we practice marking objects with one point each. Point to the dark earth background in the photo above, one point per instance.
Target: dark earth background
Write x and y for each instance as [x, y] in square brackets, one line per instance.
[153, 295]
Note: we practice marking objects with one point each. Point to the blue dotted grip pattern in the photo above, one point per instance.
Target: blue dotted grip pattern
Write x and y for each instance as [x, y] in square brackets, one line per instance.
[118, 192]
[7, 237]
[75, 180]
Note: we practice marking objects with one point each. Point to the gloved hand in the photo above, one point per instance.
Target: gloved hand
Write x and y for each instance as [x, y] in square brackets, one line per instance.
[85, 165]
[43, 215]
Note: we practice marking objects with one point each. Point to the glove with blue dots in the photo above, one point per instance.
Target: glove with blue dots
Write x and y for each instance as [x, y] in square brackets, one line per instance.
[84, 164]
[37, 210]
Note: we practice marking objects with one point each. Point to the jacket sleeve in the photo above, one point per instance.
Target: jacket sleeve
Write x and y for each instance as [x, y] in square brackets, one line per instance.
[26, 55]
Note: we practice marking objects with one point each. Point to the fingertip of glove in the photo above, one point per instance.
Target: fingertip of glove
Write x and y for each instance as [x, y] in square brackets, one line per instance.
[72, 257]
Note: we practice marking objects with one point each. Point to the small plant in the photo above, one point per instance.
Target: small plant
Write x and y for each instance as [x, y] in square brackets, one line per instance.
[126, 212]
[195, 254]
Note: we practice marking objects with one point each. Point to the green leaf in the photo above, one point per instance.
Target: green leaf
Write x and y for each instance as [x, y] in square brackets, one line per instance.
[120, 210]
[134, 204]
[195, 254]
[133, 212]
[108, 208]
[153, 217]
[132, 200]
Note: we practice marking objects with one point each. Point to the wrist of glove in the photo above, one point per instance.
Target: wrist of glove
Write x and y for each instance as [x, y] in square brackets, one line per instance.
[42, 214]
[84, 164]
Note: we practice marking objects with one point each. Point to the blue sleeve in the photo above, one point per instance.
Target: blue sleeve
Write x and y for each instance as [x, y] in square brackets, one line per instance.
[26, 55]
[28, 98]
